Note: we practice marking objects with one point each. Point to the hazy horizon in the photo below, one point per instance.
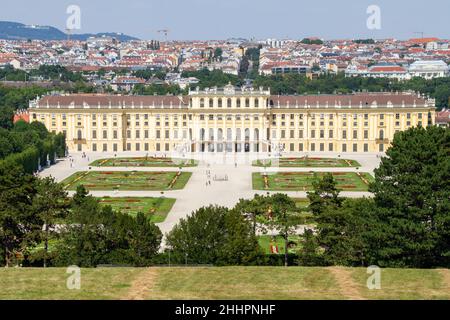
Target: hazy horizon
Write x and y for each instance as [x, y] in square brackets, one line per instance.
[224, 19]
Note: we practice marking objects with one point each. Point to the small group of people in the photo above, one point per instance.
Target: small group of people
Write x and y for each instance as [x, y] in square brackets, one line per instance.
[208, 177]
[71, 161]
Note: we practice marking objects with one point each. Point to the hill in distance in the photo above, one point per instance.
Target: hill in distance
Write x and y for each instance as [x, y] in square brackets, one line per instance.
[19, 31]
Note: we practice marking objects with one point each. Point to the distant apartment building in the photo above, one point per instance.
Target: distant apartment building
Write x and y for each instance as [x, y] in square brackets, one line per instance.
[390, 71]
[429, 69]
[423, 68]
[126, 83]
[232, 120]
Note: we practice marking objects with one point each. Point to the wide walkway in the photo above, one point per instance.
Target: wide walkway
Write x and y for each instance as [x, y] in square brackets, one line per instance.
[197, 192]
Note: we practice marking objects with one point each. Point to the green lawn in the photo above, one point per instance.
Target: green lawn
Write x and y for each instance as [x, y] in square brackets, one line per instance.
[127, 180]
[271, 283]
[154, 208]
[50, 283]
[302, 181]
[306, 162]
[405, 284]
[144, 162]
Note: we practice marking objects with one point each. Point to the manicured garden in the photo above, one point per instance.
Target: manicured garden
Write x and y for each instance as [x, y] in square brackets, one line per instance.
[156, 209]
[306, 162]
[128, 180]
[303, 181]
[144, 162]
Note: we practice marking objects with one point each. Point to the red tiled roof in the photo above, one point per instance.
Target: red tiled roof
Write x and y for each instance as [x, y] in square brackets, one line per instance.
[345, 100]
[93, 100]
[387, 69]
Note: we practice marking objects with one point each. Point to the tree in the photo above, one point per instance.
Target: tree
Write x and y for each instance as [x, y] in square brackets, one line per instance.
[412, 196]
[145, 239]
[50, 204]
[325, 194]
[254, 208]
[96, 235]
[6, 117]
[218, 54]
[280, 206]
[344, 232]
[309, 255]
[214, 235]
[19, 225]
[84, 237]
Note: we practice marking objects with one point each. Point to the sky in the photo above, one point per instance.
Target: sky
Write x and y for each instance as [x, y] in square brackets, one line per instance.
[223, 19]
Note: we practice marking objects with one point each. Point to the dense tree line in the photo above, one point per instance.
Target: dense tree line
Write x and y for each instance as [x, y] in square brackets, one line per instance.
[157, 89]
[46, 72]
[30, 145]
[41, 226]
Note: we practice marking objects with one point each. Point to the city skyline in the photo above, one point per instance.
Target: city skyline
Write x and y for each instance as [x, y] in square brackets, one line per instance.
[186, 20]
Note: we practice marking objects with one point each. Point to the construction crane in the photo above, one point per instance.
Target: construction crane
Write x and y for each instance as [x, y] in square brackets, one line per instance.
[421, 33]
[165, 32]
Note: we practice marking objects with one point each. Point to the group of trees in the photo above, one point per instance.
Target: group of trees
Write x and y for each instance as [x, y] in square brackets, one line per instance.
[214, 235]
[41, 226]
[210, 79]
[30, 145]
[311, 41]
[406, 224]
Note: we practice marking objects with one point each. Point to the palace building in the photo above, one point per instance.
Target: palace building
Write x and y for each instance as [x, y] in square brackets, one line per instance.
[232, 120]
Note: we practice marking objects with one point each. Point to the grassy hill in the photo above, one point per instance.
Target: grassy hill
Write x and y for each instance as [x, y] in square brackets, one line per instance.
[224, 283]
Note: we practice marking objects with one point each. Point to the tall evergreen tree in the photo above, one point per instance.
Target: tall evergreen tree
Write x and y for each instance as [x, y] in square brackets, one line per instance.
[19, 225]
[412, 195]
[50, 204]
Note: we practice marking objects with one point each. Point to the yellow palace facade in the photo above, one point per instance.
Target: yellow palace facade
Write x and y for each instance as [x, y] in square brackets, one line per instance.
[232, 120]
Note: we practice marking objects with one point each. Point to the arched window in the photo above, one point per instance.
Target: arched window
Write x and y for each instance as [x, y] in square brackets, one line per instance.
[211, 134]
[247, 103]
[220, 134]
[238, 134]
[256, 103]
[381, 134]
[220, 103]
[202, 103]
[247, 134]
[256, 135]
[238, 103]
[211, 103]
[229, 134]
[202, 134]
[229, 103]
